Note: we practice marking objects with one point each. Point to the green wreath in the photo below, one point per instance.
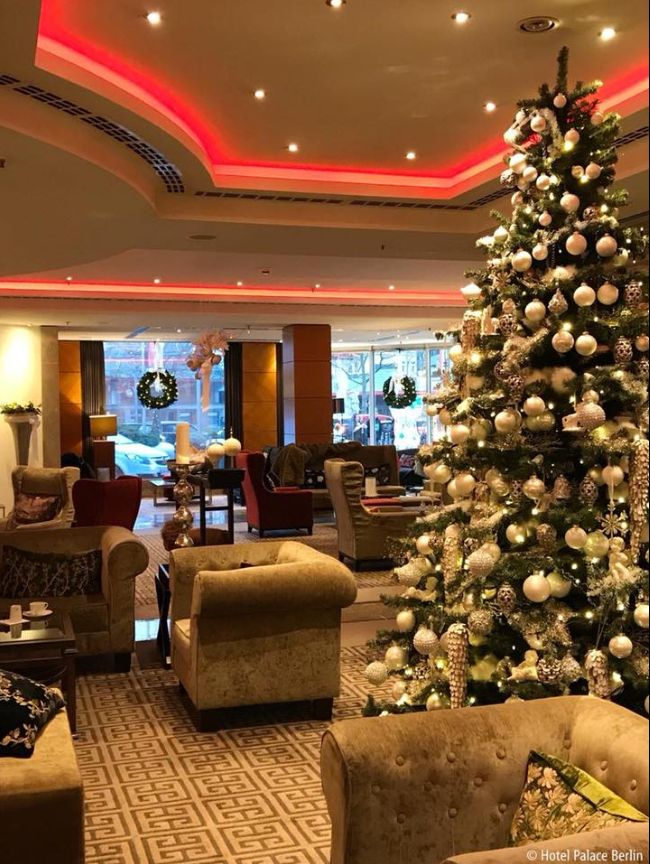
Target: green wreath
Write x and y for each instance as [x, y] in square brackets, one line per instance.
[168, 395]
[407, 397]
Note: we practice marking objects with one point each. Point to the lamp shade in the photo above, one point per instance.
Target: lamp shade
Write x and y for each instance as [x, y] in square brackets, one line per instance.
[102, 425]
[338, 406]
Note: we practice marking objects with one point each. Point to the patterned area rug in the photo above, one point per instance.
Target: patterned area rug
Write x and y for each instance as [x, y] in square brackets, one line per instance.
[157, 792]
[323, 539]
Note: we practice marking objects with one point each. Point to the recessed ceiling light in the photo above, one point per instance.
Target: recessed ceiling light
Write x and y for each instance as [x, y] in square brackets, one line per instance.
[336, 4]
[68, 278]
[293, 147]
[461, 17]
[317, 285]
[411, 155]
[156, 281]
[178, 330]
[154, 18]
[490, 107]
[239, 284]
[391, 287]
[607, 33]
[260, 94]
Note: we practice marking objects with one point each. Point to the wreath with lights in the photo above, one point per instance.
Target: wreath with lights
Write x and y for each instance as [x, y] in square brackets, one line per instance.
[165, 383]
[402, 400]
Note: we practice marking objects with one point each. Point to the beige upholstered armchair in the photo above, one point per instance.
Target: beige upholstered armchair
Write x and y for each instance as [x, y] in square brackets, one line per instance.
[255, 624]
[44, 481]
[443, 787]
[362, 533]
[104, 622]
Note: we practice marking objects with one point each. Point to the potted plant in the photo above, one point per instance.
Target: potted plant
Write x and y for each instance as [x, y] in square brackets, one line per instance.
[22, 419]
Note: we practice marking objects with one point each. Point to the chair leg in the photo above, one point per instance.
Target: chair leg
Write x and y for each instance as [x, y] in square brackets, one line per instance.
[310, 531]
[322, 709]
[260, 533]
[341, 557]
[122, 662]
[250, 529]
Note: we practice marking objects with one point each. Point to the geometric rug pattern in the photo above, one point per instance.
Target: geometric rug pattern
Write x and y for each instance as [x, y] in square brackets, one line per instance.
[158, 792]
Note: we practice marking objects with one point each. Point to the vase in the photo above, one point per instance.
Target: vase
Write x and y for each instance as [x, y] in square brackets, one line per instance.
[22, 426]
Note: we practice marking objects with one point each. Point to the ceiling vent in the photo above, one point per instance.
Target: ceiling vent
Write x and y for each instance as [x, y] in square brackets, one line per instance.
[538, 24]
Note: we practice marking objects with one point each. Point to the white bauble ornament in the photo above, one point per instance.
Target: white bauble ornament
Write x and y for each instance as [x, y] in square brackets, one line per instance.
[516, 199]
[537, 588]
[398, 689]
[522, 261]
[377, 673]
[559, 100]
[607, 294]
[642, 615]
[534, 488]
[621, 258]
[642, 343]
[530, 174]
[534, 406]
[405, 621]
[545, 219]
[596, 545]
[584, 295]
[425, 642]
[569, 202]
[621, 646]
[540, 252]
[493, 550]
[215, 452]
[501, 234]
[396, 658]
[516, 534]
[560, 587]
[613, 475]
[586, 345]
[458, 433]
[445, 417]
[576, 537]
[606, 246]
[518, 163]
[538, 123]
[593, 171]
[434, 702]
[576, 243]
[572, 136]
[507, 421]
[535, 311]
[465, 484]
[471, 291]
[455, 353]
[452, 490]
[543, 183]
[545, 422]
[431, 410]
[441, 473]
[423, 544]
[577, 171]
[231, 446]
[563, 341]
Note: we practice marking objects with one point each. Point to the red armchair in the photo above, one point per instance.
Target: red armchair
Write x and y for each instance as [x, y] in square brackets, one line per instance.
[272, 509]
[107, 502]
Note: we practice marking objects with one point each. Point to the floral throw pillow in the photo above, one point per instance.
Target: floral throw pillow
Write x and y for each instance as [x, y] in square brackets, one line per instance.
[25, 707]
[29, 509]
[24, 573]
[560, 799]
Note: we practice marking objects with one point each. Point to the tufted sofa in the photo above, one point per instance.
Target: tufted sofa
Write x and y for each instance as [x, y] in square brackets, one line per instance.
[442, 788]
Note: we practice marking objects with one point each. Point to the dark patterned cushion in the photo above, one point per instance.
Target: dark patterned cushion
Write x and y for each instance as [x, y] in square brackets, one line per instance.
[25, 707]
[29, 508]
[49, 574]
[381, 473]
[561, 799]
[314, 479]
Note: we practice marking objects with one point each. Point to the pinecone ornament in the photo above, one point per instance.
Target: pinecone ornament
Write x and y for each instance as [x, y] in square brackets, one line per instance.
[516, 490]
[623, 350]
[643, 368]
[515, 385]
[638, 499]
[570, 669]
[508, 323]
[633, 295]
[470, 331]
[504, 370]
[548, 670]
[480, 622]
[546, 536]
[562, 488]
[457, 657]
[506, 598]
[588, 491]
[557, 305]
[597, 667]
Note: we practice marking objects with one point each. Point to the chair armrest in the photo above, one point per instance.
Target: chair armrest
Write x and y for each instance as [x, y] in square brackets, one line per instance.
[123, 558]
[421, 787]
[283, 587]
[623, 838]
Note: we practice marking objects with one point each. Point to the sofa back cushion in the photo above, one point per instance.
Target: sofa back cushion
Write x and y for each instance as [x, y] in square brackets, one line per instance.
[24, 573]
[31, 508]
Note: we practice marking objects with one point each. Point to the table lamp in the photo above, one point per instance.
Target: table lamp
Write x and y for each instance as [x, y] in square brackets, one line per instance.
[101, 426]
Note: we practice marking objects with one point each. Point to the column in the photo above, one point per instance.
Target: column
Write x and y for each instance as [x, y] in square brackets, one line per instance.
[307, 383]
[259, 395]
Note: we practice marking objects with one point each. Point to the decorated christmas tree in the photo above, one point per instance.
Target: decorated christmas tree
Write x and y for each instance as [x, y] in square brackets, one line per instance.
[533, 580]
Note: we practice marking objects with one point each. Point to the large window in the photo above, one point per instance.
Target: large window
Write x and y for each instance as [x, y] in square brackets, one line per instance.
[146, 437]
[358, 378]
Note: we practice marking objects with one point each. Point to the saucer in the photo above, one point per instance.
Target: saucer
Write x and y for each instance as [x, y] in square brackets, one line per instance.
[36, 616]
[8, 623]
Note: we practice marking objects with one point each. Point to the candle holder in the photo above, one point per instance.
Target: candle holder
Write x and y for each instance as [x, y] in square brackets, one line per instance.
[183, 494]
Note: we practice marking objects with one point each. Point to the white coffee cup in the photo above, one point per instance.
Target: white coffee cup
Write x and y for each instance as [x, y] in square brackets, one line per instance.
[16, 612]
[38, 607]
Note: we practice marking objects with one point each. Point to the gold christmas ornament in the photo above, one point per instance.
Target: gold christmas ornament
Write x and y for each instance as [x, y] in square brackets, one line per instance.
[425, 642]
[596, 545]
[562, 489]
[620, 646]
[570, 669]
[405, 620]
[634, 295]
[547, 537]
[563, 342]
[480, 564]
[557, 304]
[607, 294]
[457, 652]
[377, 673]
[534, 488]
[584, 295]
[560, 587]
[537, 588]
[575, 537]
[506, 598]
[396, 658]
[586, 345]
[590, 415]
[642, 615]
[588, 491]
[623, 350]
[549, 670]
[597, 667]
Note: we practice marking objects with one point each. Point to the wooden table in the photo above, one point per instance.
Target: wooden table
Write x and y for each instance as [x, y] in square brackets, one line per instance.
[45, 651]
[226, 479]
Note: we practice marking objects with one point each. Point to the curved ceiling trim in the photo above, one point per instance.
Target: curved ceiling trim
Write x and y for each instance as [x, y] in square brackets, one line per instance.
[117, 82]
